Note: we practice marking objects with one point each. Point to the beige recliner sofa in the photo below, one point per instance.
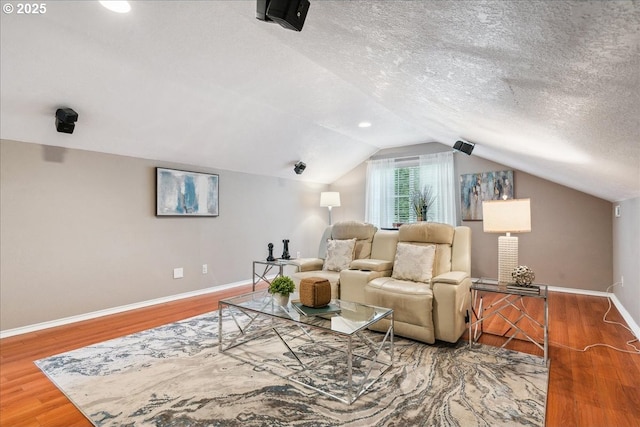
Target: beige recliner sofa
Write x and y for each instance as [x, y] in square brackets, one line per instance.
[430, 298]
[426, 309]
[361, 232]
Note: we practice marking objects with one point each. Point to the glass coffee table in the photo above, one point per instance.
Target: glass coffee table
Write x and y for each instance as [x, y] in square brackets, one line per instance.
[332, 353]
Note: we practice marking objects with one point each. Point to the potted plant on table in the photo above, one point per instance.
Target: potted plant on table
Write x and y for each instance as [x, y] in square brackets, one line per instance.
[280, 288]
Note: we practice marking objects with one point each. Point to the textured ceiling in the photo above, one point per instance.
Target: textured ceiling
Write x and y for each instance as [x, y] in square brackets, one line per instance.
[548, 87]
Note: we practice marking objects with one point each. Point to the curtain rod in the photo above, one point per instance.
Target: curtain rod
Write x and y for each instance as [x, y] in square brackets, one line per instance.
[413, 157]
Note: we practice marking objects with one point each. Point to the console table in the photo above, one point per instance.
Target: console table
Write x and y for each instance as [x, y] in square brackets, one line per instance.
[262, 268]
[511, 296]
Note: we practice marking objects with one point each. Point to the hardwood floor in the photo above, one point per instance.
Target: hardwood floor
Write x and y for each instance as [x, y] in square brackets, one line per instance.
[599, 387]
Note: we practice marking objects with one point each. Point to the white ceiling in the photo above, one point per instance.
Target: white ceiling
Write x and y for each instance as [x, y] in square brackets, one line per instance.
[547, 87]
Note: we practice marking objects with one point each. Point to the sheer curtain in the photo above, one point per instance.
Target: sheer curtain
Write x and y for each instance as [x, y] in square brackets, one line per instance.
[380, 192]
[436, 170]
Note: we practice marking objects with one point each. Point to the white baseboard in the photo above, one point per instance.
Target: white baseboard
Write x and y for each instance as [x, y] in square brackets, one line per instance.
[579, 291]
[625, 315]
[72, 319]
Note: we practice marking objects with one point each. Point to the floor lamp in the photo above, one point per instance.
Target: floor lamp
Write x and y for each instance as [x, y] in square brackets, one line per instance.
[507, 216]
[329, 199]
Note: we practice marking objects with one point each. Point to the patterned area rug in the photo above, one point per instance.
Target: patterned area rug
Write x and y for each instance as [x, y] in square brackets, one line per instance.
[174, 375]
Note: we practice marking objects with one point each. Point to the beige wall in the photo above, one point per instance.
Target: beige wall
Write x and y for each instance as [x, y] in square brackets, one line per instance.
[570, 244]
[79, 234]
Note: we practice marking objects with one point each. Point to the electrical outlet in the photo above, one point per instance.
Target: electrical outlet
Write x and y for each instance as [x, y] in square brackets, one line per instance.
[205, 269]
[178, 273]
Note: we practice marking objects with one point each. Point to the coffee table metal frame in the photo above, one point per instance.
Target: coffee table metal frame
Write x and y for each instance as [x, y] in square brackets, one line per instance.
[246, 309]
[510, 298]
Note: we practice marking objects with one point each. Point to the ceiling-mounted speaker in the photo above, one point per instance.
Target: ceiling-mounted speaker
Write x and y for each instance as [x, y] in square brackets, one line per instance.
[464, 147]
[65, 120]
[290, 14]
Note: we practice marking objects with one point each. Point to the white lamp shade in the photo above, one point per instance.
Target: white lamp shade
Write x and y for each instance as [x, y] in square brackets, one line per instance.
[329, 199]
[506, 216]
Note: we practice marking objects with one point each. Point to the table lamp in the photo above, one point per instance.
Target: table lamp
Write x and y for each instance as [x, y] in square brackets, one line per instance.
[507, 216]
[329, 199]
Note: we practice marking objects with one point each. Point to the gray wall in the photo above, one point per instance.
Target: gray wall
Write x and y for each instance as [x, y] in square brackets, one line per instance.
[626, 256]
[79, 234]
[571, 241]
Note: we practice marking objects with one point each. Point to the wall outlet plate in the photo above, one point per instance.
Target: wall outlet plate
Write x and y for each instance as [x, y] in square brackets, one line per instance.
[178, 273]
[205, 269]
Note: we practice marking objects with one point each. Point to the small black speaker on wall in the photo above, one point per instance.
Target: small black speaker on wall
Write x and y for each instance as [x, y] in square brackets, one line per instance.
[290, 14]
[464, 147]
[261, 10]
[299, 167]
[65, 120]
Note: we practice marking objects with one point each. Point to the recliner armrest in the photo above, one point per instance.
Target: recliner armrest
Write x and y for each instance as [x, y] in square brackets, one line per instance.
[371, 264]
[308, 264]
[451, 277]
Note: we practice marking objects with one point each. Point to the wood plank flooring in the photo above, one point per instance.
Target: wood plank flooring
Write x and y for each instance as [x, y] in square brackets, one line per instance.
[599, 387]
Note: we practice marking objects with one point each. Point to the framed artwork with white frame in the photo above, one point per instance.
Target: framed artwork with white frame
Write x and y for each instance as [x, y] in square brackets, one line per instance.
[184, 193]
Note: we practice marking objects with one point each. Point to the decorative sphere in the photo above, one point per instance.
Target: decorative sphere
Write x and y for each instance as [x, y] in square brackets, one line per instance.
[523, 275]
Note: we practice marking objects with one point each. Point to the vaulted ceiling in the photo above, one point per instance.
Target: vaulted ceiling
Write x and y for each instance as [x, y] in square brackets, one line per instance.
[551, 88]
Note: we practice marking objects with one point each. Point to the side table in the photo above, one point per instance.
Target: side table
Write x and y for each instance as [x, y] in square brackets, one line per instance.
[262, 268]
[511, 297]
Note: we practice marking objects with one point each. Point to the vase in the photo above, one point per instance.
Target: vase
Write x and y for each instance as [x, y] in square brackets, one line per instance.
[281, 299]
[424, 213]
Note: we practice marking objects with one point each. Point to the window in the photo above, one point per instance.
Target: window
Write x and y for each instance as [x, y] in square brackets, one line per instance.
[406, 183]
[391, 183]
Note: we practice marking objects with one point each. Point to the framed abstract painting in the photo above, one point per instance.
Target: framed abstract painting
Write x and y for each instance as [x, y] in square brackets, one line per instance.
[182, 193]
[477, 187]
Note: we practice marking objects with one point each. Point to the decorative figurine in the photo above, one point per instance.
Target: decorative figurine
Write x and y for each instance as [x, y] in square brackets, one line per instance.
[285, 252]
[270, 257]
[523, 275]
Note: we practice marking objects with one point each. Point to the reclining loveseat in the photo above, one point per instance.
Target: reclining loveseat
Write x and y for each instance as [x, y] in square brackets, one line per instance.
[422, 271]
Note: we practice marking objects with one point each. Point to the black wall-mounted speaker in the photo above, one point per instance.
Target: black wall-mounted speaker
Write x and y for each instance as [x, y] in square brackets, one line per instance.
[463, 146]
[299, 167]
[65, 120]
[290, 14]
[261, 10]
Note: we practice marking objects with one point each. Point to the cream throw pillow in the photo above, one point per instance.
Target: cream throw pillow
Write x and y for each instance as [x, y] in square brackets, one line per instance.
[414, 262]
[339, 254]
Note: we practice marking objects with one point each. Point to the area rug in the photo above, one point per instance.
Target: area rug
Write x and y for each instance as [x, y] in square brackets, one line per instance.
[174, 375]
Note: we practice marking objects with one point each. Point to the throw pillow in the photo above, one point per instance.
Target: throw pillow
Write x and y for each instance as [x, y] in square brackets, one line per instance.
[339, 254]
[413, 262]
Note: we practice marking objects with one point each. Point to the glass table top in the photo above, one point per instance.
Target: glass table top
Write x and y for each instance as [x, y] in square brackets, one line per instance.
[340, 316]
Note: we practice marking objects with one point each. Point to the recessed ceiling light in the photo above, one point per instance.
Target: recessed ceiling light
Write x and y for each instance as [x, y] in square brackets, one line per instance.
[364, 124]
[117, 6]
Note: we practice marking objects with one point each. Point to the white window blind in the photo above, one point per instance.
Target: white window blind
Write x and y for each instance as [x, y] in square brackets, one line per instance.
[391, 183]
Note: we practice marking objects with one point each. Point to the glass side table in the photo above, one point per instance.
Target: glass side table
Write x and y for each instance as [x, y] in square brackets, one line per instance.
[511, 296]
[261, 269]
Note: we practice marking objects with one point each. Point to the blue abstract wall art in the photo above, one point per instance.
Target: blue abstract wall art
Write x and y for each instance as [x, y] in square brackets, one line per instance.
[476, 187]
[182, 193]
